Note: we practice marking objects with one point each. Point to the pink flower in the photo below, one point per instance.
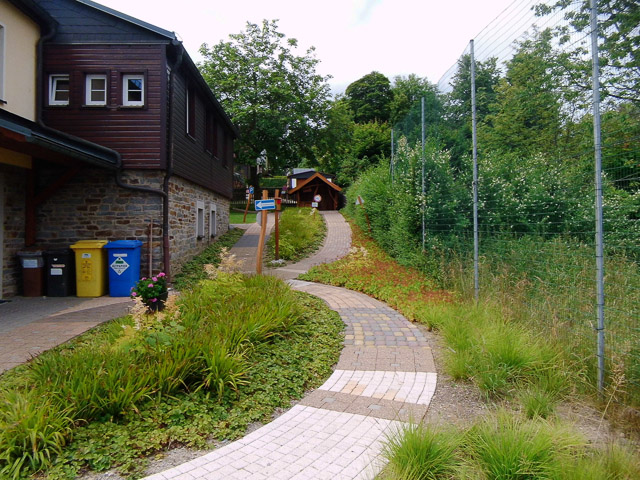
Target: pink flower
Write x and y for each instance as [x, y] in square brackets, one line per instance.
[155, 279]
[162, 274]
[133, 294]
[150, 285]
[154, 299]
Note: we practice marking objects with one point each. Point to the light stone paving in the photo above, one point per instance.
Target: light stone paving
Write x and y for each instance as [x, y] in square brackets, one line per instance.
[303, 443]
[412, 387]
[385, 376]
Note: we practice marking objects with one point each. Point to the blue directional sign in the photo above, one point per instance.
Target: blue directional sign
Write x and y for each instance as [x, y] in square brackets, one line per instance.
[251, 190]
[269, 204]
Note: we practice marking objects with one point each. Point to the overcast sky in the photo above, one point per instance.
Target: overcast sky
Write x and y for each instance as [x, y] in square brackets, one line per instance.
[352, 37]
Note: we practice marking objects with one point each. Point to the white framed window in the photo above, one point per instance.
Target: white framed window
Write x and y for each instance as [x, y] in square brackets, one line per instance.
[59, 89]
[133, 90]
[200, 219]
[96, 90]
[213, 221]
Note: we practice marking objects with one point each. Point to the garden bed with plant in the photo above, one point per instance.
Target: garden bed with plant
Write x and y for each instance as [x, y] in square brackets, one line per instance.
[225, 353]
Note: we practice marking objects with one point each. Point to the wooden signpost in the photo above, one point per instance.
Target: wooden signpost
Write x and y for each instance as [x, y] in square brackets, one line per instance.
[249, 198]
[263, 206]
[278, 206]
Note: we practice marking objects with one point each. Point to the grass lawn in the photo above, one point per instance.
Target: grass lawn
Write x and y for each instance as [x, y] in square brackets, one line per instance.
[237, 217]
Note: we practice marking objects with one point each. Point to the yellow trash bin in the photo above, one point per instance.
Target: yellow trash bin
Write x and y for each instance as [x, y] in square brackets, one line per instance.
[91, 271]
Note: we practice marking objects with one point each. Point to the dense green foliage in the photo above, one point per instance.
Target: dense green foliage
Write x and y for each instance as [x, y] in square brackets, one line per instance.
[302, 231]
[369, 98]
[226, 354]
[275, 97]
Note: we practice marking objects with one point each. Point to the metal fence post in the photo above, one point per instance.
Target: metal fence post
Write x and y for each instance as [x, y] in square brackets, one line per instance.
[597, 145]
[476, 274]
[392, 155]
[422, 201]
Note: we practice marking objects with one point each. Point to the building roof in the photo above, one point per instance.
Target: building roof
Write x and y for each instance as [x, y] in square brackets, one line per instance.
[24, 136]
[35, 12]
[306, 173]
[316, 175]
[130, 19]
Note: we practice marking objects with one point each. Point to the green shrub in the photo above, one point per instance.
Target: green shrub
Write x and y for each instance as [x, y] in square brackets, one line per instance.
[506, 447]
[417, 452]
[93, 384]
[301, 231]
[32, 432]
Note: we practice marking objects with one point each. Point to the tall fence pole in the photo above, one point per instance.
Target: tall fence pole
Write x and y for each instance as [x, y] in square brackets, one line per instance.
[422, 201]
[476, 250]
[597, 144]
[392, 155]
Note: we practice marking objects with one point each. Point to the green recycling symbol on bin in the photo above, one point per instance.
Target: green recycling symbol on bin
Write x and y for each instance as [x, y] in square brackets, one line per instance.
[119, 265]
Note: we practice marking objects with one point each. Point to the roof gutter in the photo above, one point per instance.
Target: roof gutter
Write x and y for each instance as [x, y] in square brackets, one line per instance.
[170, 157]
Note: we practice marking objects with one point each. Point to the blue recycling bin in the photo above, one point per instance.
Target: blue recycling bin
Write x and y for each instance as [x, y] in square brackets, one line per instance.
[123, 263]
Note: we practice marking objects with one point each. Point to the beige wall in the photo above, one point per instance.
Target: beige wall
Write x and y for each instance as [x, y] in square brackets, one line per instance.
[21, 36]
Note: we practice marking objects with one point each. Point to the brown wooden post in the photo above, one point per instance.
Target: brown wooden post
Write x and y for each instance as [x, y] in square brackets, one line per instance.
[263, 234]
[246, 209]
[278, 200]
[30, 209]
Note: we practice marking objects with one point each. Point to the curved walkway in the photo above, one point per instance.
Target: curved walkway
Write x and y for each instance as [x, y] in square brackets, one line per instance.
[385, 376]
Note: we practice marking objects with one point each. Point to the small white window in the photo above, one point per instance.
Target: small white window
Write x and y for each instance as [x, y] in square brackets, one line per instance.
[96, 90]
[133, 90]
[200, 219]
[59, 90]
[213, 223]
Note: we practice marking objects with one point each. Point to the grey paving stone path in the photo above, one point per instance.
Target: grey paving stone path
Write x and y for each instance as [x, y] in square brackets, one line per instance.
[29, 326]
[385, 377]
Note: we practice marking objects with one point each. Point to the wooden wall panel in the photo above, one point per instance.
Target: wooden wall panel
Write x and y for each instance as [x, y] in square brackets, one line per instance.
[139, 134]
[191, 160]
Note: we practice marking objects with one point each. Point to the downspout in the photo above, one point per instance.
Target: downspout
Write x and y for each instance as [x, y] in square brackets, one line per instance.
[169, 173]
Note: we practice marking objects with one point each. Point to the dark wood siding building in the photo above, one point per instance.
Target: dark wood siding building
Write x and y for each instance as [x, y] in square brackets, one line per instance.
[141, 147]
[138, 133]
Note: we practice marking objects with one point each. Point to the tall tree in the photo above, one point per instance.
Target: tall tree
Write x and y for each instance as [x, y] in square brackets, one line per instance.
[276, 97]
[527, 116]
[406, 108]
[457, 129]
[370, 97]
[619, 44]
[336, 138]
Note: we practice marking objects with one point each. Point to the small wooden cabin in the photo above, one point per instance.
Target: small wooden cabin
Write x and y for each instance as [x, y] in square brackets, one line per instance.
[307, 191]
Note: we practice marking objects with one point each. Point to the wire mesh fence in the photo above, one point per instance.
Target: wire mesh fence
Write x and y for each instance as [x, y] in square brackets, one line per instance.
[537, 180]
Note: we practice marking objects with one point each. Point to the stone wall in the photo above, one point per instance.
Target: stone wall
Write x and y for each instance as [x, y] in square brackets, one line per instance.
[183, 207]
[92, 207]
[13, 198]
